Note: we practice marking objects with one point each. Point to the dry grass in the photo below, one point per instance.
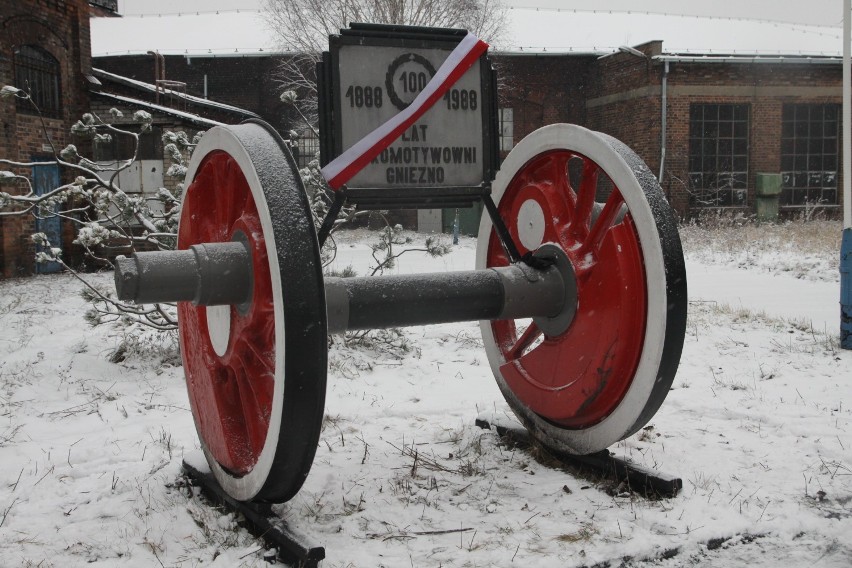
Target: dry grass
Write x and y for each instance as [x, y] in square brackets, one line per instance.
[727, 238]
[585, 534]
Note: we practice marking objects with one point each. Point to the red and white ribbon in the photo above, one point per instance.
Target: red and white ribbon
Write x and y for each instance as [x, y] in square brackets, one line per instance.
[350, 162]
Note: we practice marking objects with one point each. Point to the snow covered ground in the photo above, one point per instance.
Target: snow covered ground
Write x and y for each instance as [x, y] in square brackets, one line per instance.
[757, 425]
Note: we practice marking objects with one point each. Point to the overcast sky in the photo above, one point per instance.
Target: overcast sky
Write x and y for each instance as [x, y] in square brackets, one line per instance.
[768, 27]
[814, 12]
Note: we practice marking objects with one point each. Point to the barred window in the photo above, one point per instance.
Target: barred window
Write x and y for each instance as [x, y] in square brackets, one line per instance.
[307, 146]
[809, 153]
[37, 72]
[718, 154]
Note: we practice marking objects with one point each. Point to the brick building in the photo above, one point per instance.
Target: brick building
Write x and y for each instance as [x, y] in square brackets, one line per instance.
[727, 118]
[44, 46]
[708, 124]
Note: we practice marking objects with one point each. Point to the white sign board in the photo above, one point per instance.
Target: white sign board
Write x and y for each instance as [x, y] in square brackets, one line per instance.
[443, 148]
[370, 75]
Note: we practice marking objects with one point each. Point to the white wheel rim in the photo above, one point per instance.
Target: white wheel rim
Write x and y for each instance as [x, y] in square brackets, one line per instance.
[246, 487]
[618, 423]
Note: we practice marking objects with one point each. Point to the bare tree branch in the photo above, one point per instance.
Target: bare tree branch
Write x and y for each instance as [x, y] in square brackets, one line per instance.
[303, 27]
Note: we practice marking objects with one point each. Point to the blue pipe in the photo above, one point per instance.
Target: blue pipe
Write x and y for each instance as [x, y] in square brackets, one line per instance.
[846, 290]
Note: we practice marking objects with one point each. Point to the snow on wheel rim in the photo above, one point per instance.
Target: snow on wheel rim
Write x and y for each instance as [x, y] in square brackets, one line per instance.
[247, 486]
[644, 393]
[275, 391]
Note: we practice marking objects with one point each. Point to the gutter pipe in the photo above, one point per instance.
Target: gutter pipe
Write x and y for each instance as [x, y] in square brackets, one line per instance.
[663, 120]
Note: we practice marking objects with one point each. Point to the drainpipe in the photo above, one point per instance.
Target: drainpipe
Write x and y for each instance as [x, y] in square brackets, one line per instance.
[846, 244]
[664, 112]
[159, 71]
[156, 65]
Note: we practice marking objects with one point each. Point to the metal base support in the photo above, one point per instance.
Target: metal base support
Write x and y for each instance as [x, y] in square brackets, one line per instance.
[645, 481]
[501, 229]
[294, 549]
[658, 556]
[846, 290]
[331, 216]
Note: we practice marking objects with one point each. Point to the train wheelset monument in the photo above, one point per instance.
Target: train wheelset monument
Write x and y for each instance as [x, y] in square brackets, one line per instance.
[579, 283]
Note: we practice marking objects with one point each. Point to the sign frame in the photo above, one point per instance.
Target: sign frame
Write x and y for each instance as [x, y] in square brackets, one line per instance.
[331, 109]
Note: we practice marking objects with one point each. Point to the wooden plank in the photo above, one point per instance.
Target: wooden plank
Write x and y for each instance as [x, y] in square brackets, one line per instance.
[647, 482]
[293, 548]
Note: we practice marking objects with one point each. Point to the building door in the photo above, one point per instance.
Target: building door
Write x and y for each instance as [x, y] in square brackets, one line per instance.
[468, 219]
[46, 178]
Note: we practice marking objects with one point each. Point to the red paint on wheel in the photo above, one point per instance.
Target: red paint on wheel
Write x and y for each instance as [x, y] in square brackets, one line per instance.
[231, 395]
[577, 378]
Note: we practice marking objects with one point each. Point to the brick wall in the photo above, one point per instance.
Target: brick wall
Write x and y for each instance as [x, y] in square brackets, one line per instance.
[62, 29]
[624, 100]
[764, 87]
[543, 89]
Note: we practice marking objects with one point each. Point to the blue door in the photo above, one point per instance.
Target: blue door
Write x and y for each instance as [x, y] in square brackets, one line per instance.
[46, 178]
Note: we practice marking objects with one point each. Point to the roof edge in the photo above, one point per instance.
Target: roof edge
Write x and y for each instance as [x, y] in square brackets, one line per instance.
[189, 117]
[149, 88]
[794, 59]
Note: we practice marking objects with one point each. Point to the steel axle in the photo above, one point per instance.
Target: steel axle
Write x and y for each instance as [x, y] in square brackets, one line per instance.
[209, 274]
[216, 274]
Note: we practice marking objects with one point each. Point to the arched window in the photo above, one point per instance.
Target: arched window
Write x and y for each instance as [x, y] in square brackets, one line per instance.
[37, 72]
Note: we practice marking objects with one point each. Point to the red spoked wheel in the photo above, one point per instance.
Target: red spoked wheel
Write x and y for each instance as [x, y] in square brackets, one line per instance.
[255, 372]
[583, 388]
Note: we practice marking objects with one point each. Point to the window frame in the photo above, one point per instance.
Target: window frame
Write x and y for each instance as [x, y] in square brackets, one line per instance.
[38, 73]
[307, 144]
[719, 154]
[506, 128]
[810, 153]
[120, 146]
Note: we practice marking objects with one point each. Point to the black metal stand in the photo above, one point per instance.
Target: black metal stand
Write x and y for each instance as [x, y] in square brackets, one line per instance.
[292, 548]
[500, 228]
[645, 481]
[331, 216]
